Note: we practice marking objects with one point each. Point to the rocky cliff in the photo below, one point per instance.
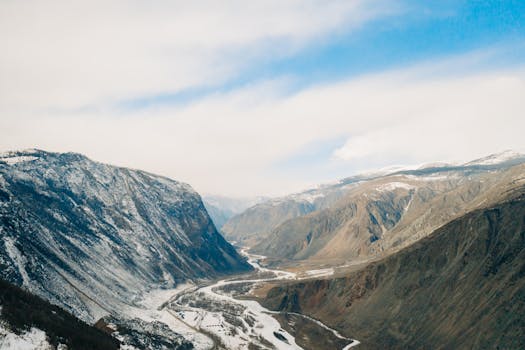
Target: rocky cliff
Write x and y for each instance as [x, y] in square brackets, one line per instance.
[89, 236]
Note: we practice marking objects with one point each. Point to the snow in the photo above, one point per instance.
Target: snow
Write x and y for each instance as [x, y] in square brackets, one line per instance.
[319, 272]
[19, 159]
[34, 339]
[263, 325]
[150, 308]
[234, 337]
[391, 186]
[17, 258]
[496, 158]
[309, 196]
[15, 157]
[127, 347]
[352, 344]
[432, 177]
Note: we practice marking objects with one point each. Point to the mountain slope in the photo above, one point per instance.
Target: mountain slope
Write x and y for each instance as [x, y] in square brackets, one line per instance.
[382, 215]
[90, 237]
[254, 224]
[463, 287]
[22, 311]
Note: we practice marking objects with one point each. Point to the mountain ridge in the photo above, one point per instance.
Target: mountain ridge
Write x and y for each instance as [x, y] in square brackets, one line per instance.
[90, 236]
[460, 287]
[378, 200]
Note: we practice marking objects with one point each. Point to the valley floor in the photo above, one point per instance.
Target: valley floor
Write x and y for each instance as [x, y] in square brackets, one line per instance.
[216, 316]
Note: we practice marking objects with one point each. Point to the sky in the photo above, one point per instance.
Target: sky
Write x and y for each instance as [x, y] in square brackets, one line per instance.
[245, 98]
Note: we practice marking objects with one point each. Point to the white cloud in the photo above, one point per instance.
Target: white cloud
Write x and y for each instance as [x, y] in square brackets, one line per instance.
[69, 54]
[226, 143]
[455, 118]
[59, 57]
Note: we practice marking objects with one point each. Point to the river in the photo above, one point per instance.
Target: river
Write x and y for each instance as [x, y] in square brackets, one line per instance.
[238, 323]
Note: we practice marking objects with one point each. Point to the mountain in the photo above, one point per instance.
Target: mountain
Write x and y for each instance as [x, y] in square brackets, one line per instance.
[90, 237]
[222, 208]
[462, 287]
[385, 214]
[498, 158]
[372, 215]
[255, 223]
[27, 322]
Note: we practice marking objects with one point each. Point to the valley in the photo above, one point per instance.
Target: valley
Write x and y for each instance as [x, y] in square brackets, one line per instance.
[354, 263]
[262, 175]
[221, 312]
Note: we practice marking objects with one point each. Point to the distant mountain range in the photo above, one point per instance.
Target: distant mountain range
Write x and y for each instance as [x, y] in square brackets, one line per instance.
[90, 237]
[222, 208]
[425, 258]
[369, 216]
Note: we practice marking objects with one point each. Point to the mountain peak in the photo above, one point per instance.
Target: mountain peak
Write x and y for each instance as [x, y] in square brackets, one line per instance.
[18, 156]
[63, 212]
[497, 158]
[30, 154]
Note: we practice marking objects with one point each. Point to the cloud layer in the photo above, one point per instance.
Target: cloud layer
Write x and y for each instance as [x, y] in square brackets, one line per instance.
[67, 69]
[64, 54]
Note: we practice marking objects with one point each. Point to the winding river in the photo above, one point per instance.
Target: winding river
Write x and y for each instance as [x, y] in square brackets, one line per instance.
[237, 323]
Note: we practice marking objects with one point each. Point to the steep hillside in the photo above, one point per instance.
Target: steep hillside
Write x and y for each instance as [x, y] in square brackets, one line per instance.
[463, 287]
[382, 215]
[255, 223]
[28, 319]
[90, 237]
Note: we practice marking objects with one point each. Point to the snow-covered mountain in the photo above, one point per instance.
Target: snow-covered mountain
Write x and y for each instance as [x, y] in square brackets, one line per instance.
[498, 158]
[90, 237]
[257, 224]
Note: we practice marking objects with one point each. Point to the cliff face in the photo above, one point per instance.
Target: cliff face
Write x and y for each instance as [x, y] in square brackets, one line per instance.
[463, 287]
[89, 236]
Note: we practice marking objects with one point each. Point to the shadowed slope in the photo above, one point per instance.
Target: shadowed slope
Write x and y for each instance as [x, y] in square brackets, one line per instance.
[463, 287]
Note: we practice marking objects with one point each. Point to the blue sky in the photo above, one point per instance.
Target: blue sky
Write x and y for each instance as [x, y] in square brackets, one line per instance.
[424, 31]
[263, 97]
[416, 31]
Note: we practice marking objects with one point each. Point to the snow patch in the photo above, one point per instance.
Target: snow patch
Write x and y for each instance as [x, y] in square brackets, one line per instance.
[150, 308]
[17, 258]
[34, 339]
[496, 158]
[319, 272]
[393, 186]
[17, 159]
[432, 177]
